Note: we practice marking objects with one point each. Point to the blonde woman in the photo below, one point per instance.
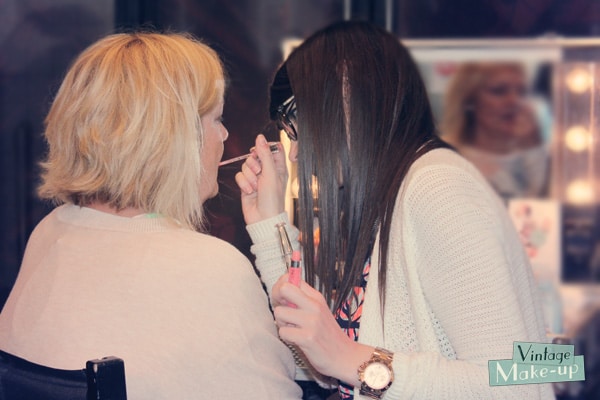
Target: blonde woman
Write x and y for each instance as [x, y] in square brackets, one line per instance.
[119, 268]
[488, 118]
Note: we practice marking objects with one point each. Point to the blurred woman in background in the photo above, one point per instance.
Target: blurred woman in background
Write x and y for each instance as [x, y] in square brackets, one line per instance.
[488, 119]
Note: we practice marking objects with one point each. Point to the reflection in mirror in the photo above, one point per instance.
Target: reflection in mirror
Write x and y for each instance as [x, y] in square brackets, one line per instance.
[492, 116]
[492, 101]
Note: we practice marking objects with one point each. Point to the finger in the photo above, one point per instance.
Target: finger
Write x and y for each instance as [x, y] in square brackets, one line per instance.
[292, 334]
[253, 163]
[295, 326]
[285, 316]
[292, 294]
[297, 320]
[265, 156]
[288, 330]
[244, 184]
[276, 298]
[305, 296]
[310, 291]
[249, 172]
[280, 159]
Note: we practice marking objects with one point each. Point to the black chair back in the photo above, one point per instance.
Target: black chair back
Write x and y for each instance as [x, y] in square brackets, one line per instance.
[101, 379]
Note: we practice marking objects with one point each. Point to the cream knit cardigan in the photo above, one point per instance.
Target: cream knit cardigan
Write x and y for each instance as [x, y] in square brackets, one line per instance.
[459, 286]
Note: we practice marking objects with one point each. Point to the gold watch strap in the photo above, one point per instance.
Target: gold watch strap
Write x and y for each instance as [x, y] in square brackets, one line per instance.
[384, 355]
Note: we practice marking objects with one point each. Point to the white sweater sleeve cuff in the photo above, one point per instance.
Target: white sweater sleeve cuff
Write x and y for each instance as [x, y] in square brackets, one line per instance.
[267, 247]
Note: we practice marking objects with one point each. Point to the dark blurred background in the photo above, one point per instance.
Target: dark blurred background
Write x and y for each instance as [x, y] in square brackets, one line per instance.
[39, 39]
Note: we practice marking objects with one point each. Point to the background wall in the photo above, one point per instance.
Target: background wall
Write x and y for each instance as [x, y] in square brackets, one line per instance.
[38, 40]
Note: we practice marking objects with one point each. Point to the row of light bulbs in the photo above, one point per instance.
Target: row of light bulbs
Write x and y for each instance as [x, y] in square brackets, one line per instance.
[579, 138]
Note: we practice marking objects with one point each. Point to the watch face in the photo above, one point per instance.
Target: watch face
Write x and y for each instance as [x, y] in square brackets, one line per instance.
[377, 375]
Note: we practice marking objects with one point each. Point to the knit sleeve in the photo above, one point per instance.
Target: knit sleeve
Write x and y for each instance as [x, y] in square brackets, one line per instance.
[473, 275]
[266, 246]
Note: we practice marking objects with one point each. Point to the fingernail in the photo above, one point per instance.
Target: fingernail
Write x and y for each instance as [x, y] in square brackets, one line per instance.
[261, 139]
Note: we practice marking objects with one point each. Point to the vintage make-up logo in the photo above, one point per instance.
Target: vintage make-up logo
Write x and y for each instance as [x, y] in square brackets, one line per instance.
[537, 363]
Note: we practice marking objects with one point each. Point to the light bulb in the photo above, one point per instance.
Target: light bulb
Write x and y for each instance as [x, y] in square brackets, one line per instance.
[580, 191]
[578, 138]
[579, 80]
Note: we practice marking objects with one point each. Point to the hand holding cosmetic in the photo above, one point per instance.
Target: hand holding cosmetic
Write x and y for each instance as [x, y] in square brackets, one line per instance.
[305, 321]
[262, 182]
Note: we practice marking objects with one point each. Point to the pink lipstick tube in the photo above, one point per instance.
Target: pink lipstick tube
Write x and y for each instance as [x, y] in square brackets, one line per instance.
[295, 272]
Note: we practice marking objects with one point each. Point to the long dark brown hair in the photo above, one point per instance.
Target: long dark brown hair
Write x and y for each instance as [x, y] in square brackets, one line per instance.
[363, 118]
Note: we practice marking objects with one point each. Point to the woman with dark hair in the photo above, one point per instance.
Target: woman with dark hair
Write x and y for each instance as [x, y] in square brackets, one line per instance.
[418, 272]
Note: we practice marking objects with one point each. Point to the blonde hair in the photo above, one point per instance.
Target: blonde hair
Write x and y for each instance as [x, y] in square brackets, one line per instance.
[467, 81]
[124, 128]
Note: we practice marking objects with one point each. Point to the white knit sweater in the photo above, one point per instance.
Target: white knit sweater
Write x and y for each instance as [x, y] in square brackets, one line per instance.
[459, 286]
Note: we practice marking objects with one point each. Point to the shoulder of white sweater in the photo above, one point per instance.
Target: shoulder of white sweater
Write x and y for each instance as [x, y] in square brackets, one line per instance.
[445, 180]
[444, 158]
[446, 167]
[154, 231]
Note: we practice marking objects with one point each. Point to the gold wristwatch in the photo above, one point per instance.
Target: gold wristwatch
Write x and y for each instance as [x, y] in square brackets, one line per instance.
[376, 375]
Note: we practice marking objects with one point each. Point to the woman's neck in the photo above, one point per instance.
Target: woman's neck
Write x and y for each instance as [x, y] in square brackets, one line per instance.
[494, 144]
[126, 212]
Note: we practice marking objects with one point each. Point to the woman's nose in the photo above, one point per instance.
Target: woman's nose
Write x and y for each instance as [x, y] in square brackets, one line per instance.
[516, 96]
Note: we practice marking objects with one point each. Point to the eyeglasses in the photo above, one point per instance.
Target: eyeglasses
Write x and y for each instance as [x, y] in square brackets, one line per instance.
[286, 118]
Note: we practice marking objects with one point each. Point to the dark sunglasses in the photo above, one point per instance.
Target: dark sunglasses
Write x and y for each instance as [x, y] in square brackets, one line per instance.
[286, 118]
